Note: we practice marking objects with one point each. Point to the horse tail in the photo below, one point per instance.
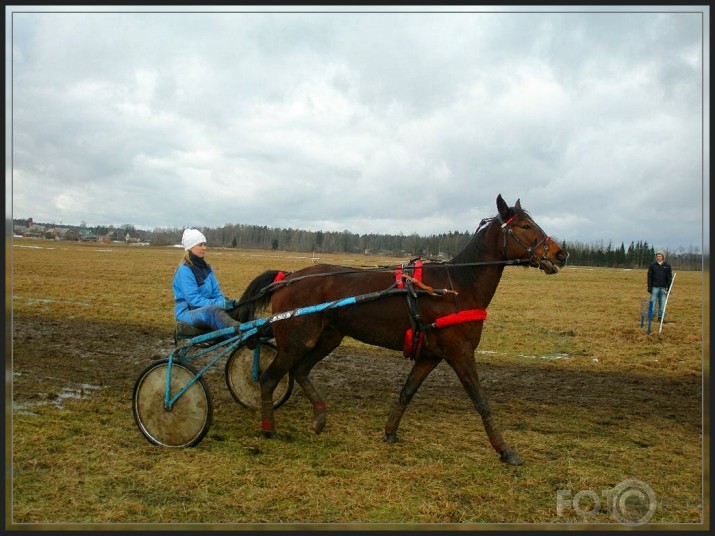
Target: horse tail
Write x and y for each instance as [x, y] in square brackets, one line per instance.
[257, 296]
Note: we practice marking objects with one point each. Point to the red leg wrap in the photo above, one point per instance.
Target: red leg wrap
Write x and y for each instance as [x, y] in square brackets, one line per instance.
[267, 426]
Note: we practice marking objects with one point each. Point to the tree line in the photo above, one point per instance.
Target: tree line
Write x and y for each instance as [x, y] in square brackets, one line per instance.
[438, 246]
[637, 255]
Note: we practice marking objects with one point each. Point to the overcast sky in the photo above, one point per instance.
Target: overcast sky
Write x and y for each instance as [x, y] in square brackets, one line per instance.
[365, 120]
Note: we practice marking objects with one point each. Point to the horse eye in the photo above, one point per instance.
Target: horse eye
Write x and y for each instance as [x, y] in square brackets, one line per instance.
[526, 226]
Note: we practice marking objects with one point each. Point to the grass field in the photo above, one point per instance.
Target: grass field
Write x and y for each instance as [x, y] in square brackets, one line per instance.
[594, 405]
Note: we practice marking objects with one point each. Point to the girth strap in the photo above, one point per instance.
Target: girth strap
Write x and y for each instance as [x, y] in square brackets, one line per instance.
[470, 315]
[408, 277]
[414, 335]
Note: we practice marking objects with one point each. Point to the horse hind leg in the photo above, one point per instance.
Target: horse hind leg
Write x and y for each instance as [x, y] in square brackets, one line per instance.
[327, 343]
[420, 370]
[319, 406]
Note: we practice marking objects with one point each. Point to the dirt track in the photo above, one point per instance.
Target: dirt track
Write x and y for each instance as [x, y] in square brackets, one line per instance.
[57, 359]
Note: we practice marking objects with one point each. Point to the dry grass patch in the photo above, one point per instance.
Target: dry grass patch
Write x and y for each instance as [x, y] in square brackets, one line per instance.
[582, 393]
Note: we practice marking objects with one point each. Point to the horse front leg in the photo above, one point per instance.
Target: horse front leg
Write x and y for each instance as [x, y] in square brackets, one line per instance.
[420, 370]
[466, 370]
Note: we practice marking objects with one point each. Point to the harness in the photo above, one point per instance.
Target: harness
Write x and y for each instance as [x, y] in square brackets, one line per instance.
[410, 278]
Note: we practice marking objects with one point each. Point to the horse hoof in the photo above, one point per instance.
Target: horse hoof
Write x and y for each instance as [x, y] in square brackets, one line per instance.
[317, 426]
[510, 457]
[390, 437]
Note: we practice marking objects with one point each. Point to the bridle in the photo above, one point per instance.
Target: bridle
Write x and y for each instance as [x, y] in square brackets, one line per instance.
[534, 260]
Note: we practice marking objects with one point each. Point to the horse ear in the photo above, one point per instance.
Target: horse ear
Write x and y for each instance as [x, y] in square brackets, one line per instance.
[517, 205]
[502, 206]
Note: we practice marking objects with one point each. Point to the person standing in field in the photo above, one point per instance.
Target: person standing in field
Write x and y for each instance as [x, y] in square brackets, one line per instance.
[199, 300]
[659, 277]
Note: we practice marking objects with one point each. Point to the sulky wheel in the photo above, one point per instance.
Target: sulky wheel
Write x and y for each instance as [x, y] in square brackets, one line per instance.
[239, 376]
[189, 419]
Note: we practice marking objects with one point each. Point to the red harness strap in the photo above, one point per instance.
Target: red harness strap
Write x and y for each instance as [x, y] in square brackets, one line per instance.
[470, 315]
[418, 271]
[400, 276]
[408, 347]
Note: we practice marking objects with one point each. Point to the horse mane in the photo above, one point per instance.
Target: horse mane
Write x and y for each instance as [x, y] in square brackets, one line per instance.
[477, 247]
[256, 297]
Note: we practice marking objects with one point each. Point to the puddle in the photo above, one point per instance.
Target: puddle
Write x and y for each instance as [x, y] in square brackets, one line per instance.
[82, 392]
[32, 247]
[21, 408]
[546, 356]
[33, 301]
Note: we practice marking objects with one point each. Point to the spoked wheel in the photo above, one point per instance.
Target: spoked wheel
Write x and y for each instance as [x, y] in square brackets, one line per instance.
[189, 419]
[239, 376]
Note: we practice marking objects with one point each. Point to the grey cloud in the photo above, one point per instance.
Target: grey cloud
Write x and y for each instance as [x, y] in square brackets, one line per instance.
[408, 122]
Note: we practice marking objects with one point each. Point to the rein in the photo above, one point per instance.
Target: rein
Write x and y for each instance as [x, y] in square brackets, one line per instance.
[285, 282]
[533, 259]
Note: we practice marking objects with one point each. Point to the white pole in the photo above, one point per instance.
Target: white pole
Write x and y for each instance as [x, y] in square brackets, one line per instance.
[666, 302]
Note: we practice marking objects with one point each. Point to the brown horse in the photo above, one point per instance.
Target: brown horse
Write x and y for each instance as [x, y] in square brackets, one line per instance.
[446, 308]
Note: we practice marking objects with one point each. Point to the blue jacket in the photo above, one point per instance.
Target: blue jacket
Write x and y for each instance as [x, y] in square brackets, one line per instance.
[189, 295]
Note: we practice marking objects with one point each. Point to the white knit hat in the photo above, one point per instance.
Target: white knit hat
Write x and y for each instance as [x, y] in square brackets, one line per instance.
[191, 238]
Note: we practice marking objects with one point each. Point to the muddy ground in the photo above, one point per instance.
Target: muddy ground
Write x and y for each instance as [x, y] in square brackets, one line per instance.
[57, 359]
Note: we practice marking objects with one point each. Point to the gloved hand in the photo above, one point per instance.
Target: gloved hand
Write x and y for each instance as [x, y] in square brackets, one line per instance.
[229, 304]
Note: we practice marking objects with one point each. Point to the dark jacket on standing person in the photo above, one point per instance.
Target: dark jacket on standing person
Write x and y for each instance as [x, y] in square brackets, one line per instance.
[659, 275]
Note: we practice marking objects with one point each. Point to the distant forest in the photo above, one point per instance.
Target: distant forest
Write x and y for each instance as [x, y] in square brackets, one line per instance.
[439, 246]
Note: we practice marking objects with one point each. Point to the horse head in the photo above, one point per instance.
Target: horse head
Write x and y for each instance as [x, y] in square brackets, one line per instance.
[523, 239]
